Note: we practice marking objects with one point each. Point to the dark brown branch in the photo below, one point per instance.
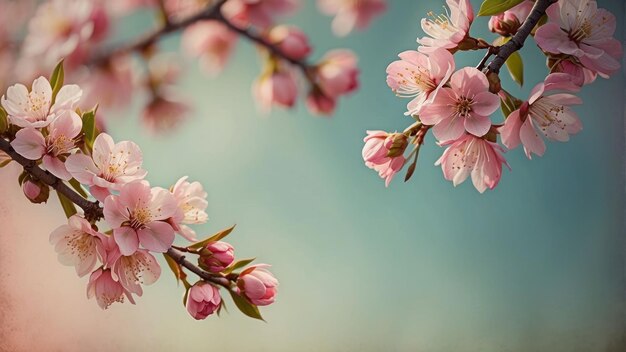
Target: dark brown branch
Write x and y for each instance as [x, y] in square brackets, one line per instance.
[91, 209]
[517, 41]
[180, 259]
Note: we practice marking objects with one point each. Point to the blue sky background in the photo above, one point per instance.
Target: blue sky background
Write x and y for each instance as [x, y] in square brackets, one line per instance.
[536, 265]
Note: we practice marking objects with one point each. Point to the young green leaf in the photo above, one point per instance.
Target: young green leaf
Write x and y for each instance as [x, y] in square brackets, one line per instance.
[495, 7]
[246, 307]
[56, 79]
[515, 65]
[237, 265]
[218, 236]
[68, 207]
[89, 127]
[4, 120]
[78, 188]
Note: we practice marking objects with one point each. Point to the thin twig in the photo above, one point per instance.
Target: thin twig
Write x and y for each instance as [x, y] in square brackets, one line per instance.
[180, 259]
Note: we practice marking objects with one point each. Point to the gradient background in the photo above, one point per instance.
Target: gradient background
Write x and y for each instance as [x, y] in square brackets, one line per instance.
[536, 265]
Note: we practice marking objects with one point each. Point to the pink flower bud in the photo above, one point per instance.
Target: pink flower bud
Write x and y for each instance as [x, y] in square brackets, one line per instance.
[337, 73]
[383, 152]
[320, 104]
[291, 41]
[216, 256]
[35, 191]
[505, 24]
[276, 88]
[258, 285]
[203, 299]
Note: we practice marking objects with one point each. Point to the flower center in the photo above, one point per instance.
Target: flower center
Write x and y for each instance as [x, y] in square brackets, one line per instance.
[463, 106]
[139, 218]
[61, 144]
[581, 32]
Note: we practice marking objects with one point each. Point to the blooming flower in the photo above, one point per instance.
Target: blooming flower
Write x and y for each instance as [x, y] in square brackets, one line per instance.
[420, 76]
[110, 85]
[578, 74]
[113, 165]
[545, 112]
[290, 40]
[508, 22]
[258, 285]
[447, 31]
[464, 106]
[203, 299]
[34, 108]
[337, 73]
[137, 216]
[216, 256]
[350, 14]
[378, 145]
[472, 155]
[256, 12]
[212, 42]
[276, 88]
[192, 203]
[136, 269]
[60, 141]
[106, 290]
[78, 245]
[579, 29]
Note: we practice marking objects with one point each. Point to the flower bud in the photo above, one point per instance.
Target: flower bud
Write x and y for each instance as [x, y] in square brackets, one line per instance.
[278, 87]
[36, 191]
[505, 24]
[203, 299]
[337, 73]
[257, 285]
[216, 256]
[494, 82]
[291, 41]
[320, 104]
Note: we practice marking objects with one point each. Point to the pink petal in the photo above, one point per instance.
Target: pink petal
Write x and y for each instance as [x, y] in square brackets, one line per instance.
[531, 140]
[56, 167]
[157, 236]
[29, 143]
[127, 240]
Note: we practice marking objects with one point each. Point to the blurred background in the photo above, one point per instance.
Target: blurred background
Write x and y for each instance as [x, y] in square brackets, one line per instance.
[535, 265]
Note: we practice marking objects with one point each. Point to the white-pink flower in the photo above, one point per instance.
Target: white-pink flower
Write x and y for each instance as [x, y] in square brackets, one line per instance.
[580, 29]
[470, 155]
[106, 290]
[337, 73]
[259, 13]
[546, 112]
[447, 30]
[351, 14]
[113, 165]
[464, 106]
[420, 76]
[34, 108]
[55, 147]
[78, 244]
[212, 42]
[139, 268]
[192, 204]
[138, 215]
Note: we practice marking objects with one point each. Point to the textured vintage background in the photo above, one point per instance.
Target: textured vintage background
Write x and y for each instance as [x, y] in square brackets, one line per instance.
[537, 265]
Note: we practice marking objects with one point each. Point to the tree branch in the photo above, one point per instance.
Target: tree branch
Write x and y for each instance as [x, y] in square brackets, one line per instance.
[517, 41]
[94, 208]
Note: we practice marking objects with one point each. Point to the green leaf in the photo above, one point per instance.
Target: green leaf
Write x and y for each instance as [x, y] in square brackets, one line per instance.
[4, 120]
[237, 265]
[508, 103]
[78, 188]
[56, 79]
[22, 177]
[6, 162]
[495, 7]
[89, 127]
[246, 307]
[515, 65]
[68, 206]
[218, 236]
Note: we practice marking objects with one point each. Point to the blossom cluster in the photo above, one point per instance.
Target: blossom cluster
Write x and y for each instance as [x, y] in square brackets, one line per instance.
[80, 32]
[458, 104]
[44, 124]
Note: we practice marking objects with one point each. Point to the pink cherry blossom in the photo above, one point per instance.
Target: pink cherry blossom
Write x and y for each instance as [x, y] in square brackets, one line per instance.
[580, 29]
[258, 285]
[508, 22]
[78, 244]
[291, 41]
[110, 85]
[319, 103]
[216, 256]
[276, 88]
[350, 14]
[376, 150]
[464, 106]
[34, 108]
[60, 141]
[139, 268]
[192, 204]
[113, 165]
[106, 290]
[163, 114]
[212, 42]
[203, 299]
[472, 155]
[420, 76]
[579, 74]
[447, 30]
[337, 73]
[138, 216]
[546, 112]
[259, 13]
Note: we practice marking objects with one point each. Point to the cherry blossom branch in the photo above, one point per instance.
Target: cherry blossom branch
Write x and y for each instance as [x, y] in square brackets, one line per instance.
[517, 41]
[180, 259]
[92, 210]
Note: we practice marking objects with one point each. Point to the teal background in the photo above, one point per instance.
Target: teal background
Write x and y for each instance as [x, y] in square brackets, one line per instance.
[535, 265]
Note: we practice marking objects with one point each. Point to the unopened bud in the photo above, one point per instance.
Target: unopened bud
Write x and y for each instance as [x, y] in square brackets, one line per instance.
[36, 191]
[216, 256]
[494, 82]
[399, 142]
